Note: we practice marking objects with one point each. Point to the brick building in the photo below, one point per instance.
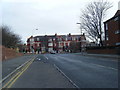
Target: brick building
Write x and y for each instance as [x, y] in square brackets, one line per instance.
[55, 42]
[112, 30]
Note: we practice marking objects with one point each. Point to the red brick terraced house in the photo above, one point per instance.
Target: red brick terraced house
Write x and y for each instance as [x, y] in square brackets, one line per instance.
[112, 30]
[58, 43]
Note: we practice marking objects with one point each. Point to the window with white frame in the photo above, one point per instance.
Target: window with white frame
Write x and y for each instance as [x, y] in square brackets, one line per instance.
[66, 39]
[106, 26]
[107, 38]
[117, 31]
[106, 35]
[37, 39]
[32, 39]
[38, 44]
[50, 39]
[50, 44]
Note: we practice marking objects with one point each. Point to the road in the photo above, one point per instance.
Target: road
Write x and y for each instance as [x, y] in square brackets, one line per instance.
[87, 72]
[83, 71]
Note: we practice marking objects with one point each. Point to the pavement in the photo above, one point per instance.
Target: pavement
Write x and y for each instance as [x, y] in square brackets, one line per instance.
[112, 56]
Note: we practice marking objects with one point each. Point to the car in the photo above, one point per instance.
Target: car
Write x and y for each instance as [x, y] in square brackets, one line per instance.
[52, 52]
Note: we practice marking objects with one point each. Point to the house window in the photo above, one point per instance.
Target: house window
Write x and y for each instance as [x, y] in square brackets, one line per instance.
[106, 35]
[117, 31]
[37, 39]
[53, 39]
[38, 44]
[50, 39]
[32, 39]
[50, 44]
[106, 26]
[118, 43]
[66, 39]
[116, 19]
[107, 38]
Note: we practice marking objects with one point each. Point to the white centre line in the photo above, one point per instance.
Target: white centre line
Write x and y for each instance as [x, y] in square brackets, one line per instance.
[46, 57]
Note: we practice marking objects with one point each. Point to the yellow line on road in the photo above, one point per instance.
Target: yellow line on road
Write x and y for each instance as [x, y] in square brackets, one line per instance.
[10, 80]
[17, 75]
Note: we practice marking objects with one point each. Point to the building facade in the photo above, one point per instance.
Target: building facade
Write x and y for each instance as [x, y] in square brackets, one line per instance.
[58, 43]
[112, 30]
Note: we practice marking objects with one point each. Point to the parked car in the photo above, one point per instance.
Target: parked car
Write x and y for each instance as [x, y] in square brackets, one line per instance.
[52, 52]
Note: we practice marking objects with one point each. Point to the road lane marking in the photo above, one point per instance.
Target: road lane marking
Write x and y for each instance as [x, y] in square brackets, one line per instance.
[10, 80]
[15, 71]
[19, 75]
[65, 76]
[46, 57]
[16, 76]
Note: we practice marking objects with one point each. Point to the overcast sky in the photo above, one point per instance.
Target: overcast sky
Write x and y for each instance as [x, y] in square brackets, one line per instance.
[48, 16]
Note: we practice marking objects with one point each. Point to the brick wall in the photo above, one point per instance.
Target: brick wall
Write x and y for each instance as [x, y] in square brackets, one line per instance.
[8, 53]
[105, 51]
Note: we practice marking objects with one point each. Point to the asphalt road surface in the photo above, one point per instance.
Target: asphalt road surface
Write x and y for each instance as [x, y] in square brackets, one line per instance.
[87, 72]
[83, 71]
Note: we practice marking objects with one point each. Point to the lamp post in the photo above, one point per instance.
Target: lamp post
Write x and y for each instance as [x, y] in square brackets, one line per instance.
[80, 27]
[33, 31]
[32, 42]
[80, 39]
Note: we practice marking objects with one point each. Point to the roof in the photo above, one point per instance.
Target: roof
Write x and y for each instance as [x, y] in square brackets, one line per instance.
[46, 37]
[116, 15]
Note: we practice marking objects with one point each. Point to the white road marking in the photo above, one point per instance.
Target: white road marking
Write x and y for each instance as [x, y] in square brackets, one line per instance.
[66, 76]
[16, 70]
[46, 57]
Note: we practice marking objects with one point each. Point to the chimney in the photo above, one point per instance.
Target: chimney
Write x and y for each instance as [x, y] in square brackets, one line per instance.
[83, 34]
[119, 5]
[55, 34]
[69, 34]
[31, 37]
[45, 35]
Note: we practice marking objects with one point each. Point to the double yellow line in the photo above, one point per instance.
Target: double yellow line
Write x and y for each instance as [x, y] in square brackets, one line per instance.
[17, 75]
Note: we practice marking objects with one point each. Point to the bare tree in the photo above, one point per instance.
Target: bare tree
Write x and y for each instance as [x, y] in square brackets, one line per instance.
[92, 19]
[9, 39]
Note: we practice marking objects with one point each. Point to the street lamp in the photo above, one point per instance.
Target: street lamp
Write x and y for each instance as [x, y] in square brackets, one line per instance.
[33, 31]
[81, 48]
[80, 27]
